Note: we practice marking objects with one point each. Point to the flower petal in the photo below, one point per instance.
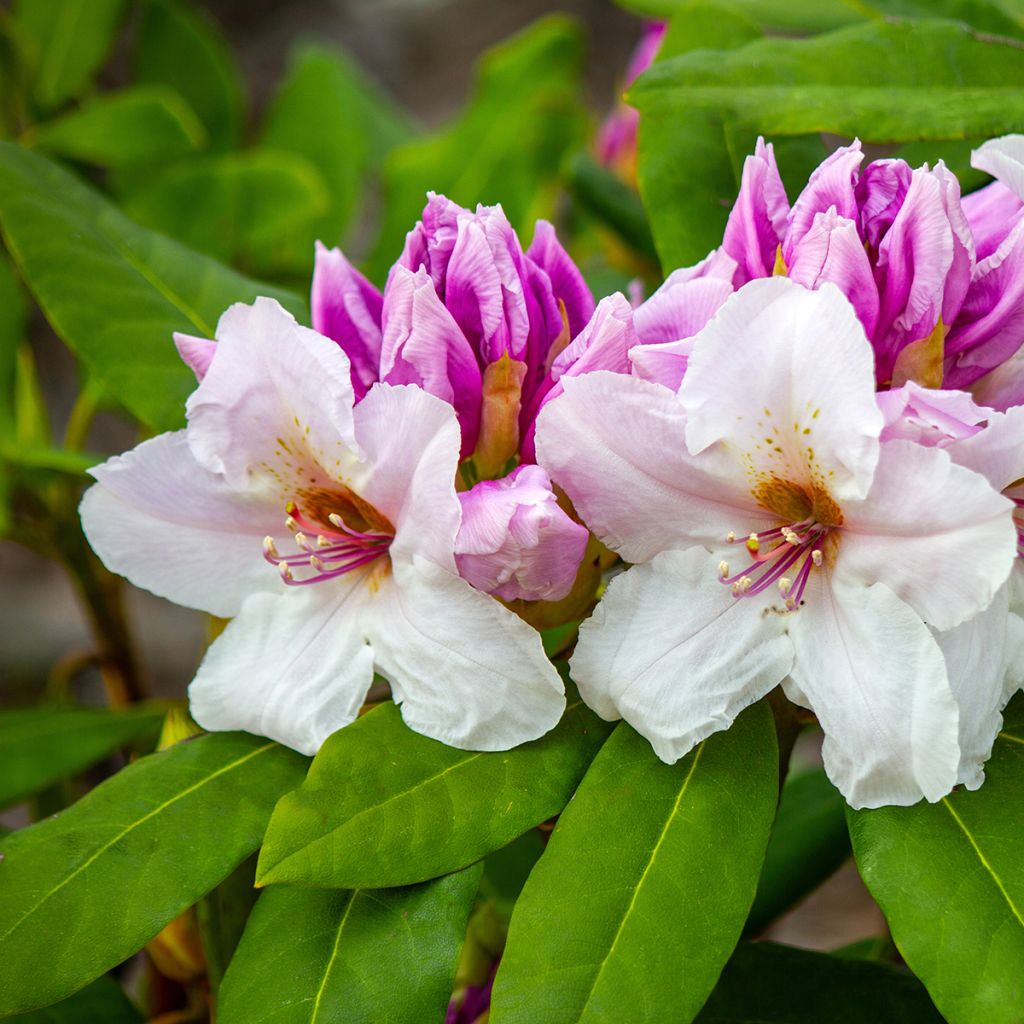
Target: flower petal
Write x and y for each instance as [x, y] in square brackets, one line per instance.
[630, 476]
[293, 666]
[832, 184]
[1004, 386]
[670, 650]
[996, 451]
[679, 308]
[934, 533]
[880, 193]
[465, 670]
[196, 353]
[871, 671]
[172, 527]
[991, 211]
[1003, 158]
[567, 282]
[757, 381]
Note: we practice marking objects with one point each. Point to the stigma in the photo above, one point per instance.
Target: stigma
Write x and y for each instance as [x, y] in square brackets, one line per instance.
[325, 552]
[782, 559]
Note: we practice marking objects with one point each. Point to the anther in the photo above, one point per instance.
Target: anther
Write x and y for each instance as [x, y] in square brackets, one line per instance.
[300, 539]
[322, 541]
[723, 568]
[291, 524]
[790, 536]
[269, 547]
[730, 537]
[316, 563]
[784, 584]
[336, 520]
[286, 573]
[817, 557]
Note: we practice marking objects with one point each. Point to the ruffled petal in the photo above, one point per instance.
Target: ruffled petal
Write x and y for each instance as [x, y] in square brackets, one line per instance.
[172, 527]
[567, 282]
[670, 650]
[679, 308]
[936, 534]
[996, 451]
[757, 382]
[293, 666]
[196, 353]
[1003, 158]
[832, 184]
[464, 669]
[871, 671]
[991, 212]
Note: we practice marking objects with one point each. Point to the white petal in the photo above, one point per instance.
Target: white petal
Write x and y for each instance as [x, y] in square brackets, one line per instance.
[294, 666]
[274, 409]
[670, 650]
[758, 380]
[172, 527]
[871, 671]
[935, 533]
[1003, 158]
[411, 443]
[465, 670]
[616, 444]
[997, 451]
[984, 662]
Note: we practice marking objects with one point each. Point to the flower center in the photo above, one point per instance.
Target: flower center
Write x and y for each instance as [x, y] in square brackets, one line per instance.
[326, 552]
[783, 557]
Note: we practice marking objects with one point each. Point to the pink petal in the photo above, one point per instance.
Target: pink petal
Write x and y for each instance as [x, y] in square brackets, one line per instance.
[991, 212]
[196, 353]
[880, 193]
[833, 183]
[567, 282]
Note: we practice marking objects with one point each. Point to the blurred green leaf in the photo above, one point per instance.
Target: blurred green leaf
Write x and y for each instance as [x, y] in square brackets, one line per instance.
[13, 315]
[363, 820]
[222, 915]
[508, 144]
[101, 1002]
[779, 15]
[949, 878]
[312, 955]
[66, 42]
[112, 290]
[179, 46]
[809, 842]
[42, 745]
[237, 207]
[120, 129]
[640, 897]
[768, 984]
[328, 112]
[928, 80]
[107, 874]
[506, 869]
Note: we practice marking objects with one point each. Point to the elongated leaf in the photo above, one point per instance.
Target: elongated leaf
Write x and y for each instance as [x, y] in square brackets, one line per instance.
[768, 984]
[222, 915]
[949, 878]
[101, 1002]
[42, 745]
[180, 47]
[67, 41]
[136, 125]
[107, 874]
[385, 806]
[235, 206]
[652, 869]
[809, 842]
[310, 956]
[329, 113]
[113, 291]
[508, 144]
[929, 80]
[13, 313]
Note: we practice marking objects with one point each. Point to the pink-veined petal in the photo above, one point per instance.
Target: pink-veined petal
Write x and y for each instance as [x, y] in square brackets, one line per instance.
[567, 282]
[991, 212]
[832, 184]
[196, 353]
[679, 308]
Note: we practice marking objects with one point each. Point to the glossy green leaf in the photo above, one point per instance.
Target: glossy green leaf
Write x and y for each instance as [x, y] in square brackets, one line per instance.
[310, 956]
[236, 207]
[809, 842]
[107, 874]
[329, 113]
[101, 1002]
[928, 80]
[641, 895]
[386, 806]
[768, 984]
[508, 144]
[112, 290]
[179, 46]
[136, 125]
[949, 878]
[67, 41]
[42, 745]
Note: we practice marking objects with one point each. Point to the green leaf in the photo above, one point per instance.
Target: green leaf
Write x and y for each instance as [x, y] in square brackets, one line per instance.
[779, 15]
[113, 291]
[508, 144]
[768, 984]
[101, 1002]
[369, 819]
[949, 878]
[136, 125]
[107, 874]
[809, 842]
[13, 315]
[640, 897]
[42, 745]
[236, 207]
[179, 46]
[222, 915]
[316, 955]
[67, 41]
[329, 113]
[928, 80]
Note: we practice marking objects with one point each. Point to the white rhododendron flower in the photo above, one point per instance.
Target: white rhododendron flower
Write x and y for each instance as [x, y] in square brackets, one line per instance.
[776, 539]
[326, 529]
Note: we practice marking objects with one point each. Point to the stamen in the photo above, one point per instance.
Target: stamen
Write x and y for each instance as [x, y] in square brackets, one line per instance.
[723, 569]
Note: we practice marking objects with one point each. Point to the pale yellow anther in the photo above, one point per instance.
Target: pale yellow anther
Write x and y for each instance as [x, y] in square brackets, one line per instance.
[301, 540]
[723, 569]
[336, 520]
[291, 524]
[730, 536]
[269, 547]
[745, 583]
[784, 584]
[790, 604]
[817, 557]
[322, 541]
[286, 573]
[790, 536]
[316, 563]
